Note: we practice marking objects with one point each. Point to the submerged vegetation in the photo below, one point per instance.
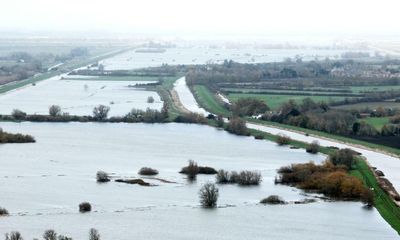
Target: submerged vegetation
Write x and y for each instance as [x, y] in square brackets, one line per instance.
[15, 138]
[245, 178]
[148, 171]
[209, 195]
[85, 207]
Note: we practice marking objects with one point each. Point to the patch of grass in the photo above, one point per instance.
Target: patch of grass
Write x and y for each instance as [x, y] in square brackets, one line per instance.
[360, 89]
[207, 100]
[377, 122]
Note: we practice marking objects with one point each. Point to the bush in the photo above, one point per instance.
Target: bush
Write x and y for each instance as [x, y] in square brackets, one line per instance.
[148, 171]
[259, 136]
[191, 118]
[220, 121]
[3, 212]
[237, 126]
[367, 197]
[85, 207]
[273, 199]
[18, 114]
[343, 157]
[249, 107]
[326, 178]
[14, 236]
[55, 110]
[283, 140]
[191, 170]
[62, 237]
[150, 99]
[209, 195]
[249, 178]
[94, 234]
[101, 112]
[102, 176]
[313, 147]
[50, 235]
[242, 178]
[207, 170]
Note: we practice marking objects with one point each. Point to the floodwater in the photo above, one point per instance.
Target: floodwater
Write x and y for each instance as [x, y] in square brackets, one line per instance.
[202, 55]
[42, 184]
[188, 101]
[79, 97]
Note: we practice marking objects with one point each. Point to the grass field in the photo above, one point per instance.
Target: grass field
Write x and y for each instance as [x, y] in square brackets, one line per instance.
[207, 100]
[275, 101]
[374, 88]
[377, 122]
[370, 105]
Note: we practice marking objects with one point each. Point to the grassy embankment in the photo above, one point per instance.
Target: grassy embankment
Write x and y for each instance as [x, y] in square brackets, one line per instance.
[211, 103]
[63, 69]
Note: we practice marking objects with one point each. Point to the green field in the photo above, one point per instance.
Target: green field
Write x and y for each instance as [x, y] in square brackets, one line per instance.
[275, 101]
[370, 105]
[374, 88]
[377, 122]
[208, 100]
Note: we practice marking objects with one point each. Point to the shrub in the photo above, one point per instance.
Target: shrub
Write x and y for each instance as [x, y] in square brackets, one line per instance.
[50, 235]
[62, 237]
[367, 197]
[85, 207]
[101, 112]
[273, 199]
[209, 195]
[313, 147]
[220, 121]
[55, 110]
[223, 176]
[191, 118]
[191, 170]
[283, 140]
[3, 212]
[102, 176]
[249, 107]
[150, 99]
[237, 126]
[249, 178]
[18, 114]
[259, 136]
[343, 157]
[207, 170]
[148, 171]
[14, 236]
[94, 234]
[242, 178]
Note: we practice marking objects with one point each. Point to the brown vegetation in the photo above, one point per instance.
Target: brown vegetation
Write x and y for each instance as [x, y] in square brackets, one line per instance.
[85, 207]
[134, 181]
[148, 171]
[327, 179]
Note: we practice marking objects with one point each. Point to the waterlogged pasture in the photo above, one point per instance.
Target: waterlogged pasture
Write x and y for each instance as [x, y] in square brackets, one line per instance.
[79, 97]
[202, 55]
[43, 183]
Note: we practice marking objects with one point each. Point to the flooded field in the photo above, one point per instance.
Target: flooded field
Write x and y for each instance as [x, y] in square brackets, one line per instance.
[79, 97]
[43, 183]
[198, 55]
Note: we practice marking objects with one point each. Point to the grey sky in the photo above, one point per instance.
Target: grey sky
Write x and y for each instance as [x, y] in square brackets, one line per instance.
[261, 17]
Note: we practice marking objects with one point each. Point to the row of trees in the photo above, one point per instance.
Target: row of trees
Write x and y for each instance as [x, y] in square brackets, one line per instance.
[52, 235]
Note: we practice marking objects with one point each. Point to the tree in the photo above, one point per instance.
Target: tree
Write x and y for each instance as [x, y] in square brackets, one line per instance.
[18, 114]
[209, 195]
[237, 126]
[54, 110]
[50, 235]
[343, 157]
[150, 99]
[14, 236]
[101, 112]
[94, 234]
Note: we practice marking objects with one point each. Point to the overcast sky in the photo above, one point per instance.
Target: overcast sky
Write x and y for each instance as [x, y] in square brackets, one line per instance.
[210, 17]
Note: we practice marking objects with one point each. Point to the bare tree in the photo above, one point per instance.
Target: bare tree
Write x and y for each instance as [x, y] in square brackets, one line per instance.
[55, 110]
[209, 195]
[94, 234]
[101, 112]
